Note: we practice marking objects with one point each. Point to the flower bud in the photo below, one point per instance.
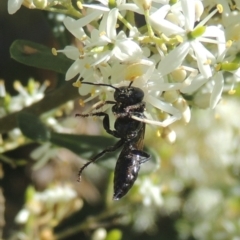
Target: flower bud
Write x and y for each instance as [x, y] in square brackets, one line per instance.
[168, 134]
[40, 4]
[172, 18]
[198, 10]
[145, 4]
[179, 75]
[182, 105]
[202, 100]
[2, 89]
[171, 96]
[99, 234]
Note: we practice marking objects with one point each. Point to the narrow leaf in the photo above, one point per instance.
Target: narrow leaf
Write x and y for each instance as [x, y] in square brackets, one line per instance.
[32, 127]
[40, 56]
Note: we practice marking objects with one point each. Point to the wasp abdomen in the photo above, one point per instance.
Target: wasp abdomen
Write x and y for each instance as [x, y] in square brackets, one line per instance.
[126, 173]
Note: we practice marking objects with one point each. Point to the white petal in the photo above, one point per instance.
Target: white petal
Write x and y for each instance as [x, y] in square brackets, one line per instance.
[168, 28]
[71, 52]
[167, 86]
[86, 89]
[127, 50]
[74, 69]
[166, 107]
[103, 57]
[103, 24]
[188, 8]
[14, 5]
[197, 82]
[213, 31]
[202, 60]
[161, 12]
[134, 33]
[130, 7]
[82, 21]
[103, 2]
[96, 6]
[23, 215]
[111, 23]
[217, 90]
[97, 39]
[70, 24]
[159, 23]
[206, 52]
[174, 59]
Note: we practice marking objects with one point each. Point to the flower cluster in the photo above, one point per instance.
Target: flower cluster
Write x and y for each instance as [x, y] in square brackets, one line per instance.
[176, 55]
[179, 53]
[44, 210]
[27, 95]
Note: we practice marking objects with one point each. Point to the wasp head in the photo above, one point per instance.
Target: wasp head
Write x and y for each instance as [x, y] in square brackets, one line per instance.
[128, 95]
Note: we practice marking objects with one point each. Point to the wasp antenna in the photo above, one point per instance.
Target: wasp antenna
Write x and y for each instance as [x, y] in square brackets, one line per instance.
[130, 84]
[100, 84]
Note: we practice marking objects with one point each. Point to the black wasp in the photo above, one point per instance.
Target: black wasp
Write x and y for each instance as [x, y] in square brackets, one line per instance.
[128, 104]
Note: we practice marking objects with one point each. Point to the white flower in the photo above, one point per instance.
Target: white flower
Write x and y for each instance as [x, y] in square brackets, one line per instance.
[43, 154]
[119, 45]
[151, 193]
[33, 92]
[27, 95]
[103, 45]
[120, 4]
[14, 5]
[22, 216]
[191, 44]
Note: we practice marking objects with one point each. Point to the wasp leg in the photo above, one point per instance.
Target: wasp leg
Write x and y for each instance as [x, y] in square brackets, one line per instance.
[141, 155]
[129, 110]
[106, 122]
[101, 104]
[95, 158]
[135, 106]
[165, 123]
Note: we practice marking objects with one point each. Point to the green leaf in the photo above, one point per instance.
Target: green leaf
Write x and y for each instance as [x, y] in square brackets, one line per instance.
[87, 146]
[32, 127]
[153, 164]
[83, 145]
[40, 56]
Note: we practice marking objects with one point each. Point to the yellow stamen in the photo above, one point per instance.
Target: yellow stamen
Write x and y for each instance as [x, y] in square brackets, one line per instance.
[54, 51]
[79, 5]
[93, 91]
[218, 67]
[83, 38]
[229, 43]
[232, 91]
[81, 50]
[77, 84]
[87, 66]
[208, 62]
[81, 103]
[102, 33]
[179, 38]
[17, 85]
[159, 133]
[133, 72]
[219, 8]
